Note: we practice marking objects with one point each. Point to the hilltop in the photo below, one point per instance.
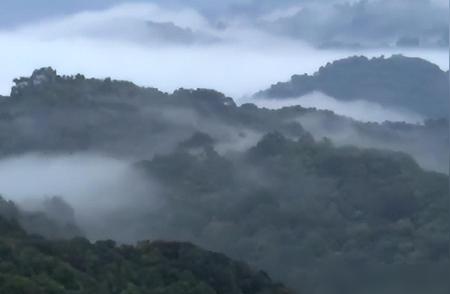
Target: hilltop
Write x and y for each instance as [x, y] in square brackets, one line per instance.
[408, 83]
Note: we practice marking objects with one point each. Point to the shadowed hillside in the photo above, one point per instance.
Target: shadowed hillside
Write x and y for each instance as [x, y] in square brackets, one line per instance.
[31, 264]
[406, 83]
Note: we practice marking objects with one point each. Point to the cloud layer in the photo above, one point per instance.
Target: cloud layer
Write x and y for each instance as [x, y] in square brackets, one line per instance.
[368, 23]
[170, 47]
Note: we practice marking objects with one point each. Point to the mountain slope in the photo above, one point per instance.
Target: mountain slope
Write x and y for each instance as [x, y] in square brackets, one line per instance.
[260, 185]
[406, 83]
[34, 265]
[50, 113]
[306, 210]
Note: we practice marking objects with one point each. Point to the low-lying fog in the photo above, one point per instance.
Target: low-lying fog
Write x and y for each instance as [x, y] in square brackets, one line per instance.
[95, 186]
[361, 110]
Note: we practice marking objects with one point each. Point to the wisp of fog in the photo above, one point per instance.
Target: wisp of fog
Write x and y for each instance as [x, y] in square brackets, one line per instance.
[360, 110]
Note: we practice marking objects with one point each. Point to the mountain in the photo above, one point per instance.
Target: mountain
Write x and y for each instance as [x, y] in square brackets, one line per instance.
[32, 264]
[400, 82]
[428, 143]
[308, 212]
[51, 113]
[321, 202]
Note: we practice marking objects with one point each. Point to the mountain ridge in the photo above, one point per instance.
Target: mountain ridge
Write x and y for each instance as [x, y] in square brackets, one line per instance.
[304, 194]
[397, 81]
[51, 105]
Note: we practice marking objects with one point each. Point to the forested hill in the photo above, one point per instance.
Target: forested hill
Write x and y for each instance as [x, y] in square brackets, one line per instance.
[408, 83]
[347, 212]
[315, 216]
[51, 113]
[32, 265]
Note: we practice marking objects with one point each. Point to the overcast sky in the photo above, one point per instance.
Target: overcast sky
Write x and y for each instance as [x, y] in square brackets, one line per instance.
[236, 46]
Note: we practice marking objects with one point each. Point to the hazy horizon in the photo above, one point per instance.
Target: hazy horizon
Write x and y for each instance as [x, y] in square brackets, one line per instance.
[170, 45]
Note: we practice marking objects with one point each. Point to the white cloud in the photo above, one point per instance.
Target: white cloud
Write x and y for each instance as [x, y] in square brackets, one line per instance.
[124, 18]
[281, 13]
[360, 110]
[77, 177]
[97, 44]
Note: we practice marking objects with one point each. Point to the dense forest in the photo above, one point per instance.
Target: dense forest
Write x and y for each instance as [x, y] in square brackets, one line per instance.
[47, 112]
[32, 265]
[397, 81]
[282, 190]
[298, 208]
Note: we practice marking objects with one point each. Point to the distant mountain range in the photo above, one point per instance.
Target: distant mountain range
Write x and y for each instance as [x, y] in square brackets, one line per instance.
[411, 84]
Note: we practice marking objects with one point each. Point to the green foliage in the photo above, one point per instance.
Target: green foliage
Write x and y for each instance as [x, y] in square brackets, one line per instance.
[408, 83]
[319, 217]
[51, 113]
[34, 266]
[300, 208]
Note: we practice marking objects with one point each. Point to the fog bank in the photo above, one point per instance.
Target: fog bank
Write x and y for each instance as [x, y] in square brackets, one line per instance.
[95, 186]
